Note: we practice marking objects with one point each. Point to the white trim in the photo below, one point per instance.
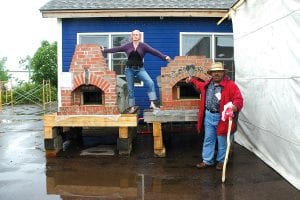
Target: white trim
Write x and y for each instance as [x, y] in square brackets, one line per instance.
[135, 13]
[59, 60]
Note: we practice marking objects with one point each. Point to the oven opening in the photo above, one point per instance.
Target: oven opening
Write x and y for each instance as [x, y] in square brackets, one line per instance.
[91, 95]
[184, 90]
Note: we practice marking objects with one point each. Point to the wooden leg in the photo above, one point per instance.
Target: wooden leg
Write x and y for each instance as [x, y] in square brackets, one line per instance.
[52, 142]
[123, 132]
[124, 143]
[159, 149]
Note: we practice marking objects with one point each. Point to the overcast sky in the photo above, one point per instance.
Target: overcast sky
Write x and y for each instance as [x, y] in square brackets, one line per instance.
[22, 29]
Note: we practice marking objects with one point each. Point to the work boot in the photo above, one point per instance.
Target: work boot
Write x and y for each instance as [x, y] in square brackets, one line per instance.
[219, 166]
[203, 165]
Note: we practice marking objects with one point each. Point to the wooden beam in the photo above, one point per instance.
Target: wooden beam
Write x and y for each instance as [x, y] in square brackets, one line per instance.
[159, 149]
[231, 10]
[171, 116]
[123, 120]
[133, 13]
[123, 132]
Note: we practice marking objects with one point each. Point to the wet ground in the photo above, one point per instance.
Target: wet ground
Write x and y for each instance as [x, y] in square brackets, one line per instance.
[25, 173]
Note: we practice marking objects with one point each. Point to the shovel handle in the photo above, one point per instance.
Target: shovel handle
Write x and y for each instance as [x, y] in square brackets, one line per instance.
[227, 150]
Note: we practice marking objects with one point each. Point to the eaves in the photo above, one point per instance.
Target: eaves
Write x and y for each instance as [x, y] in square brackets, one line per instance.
[134, 13]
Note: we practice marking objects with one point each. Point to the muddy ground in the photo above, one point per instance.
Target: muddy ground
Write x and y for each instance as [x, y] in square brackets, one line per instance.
[25, 172]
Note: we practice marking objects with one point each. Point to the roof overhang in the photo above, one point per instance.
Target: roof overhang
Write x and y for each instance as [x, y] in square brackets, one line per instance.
[133, 13]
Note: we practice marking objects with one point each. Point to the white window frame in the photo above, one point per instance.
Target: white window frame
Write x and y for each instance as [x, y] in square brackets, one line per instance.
[212, 42]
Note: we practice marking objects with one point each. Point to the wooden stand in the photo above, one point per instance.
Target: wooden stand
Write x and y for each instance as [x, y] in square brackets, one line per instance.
[157, 117]
[55, 124]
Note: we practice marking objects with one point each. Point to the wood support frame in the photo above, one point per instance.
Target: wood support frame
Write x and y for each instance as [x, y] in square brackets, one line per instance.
[166, 116]
[52, 123]
[159, 148]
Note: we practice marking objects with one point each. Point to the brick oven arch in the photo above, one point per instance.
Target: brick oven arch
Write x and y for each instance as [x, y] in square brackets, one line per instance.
[95, 80]
[184, 76]
[174, 91]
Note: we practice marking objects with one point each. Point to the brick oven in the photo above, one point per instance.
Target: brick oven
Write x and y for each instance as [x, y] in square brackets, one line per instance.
[176, 94]
[179, 100]
[93, 90]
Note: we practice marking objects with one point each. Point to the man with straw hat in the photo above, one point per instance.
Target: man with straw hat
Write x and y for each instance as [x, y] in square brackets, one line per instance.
[216, 93]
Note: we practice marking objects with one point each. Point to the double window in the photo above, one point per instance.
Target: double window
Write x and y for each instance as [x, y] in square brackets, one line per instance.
[218, 47]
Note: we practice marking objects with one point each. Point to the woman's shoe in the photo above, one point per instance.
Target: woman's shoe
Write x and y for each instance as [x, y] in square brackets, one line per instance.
[131, 110]
[153, 106]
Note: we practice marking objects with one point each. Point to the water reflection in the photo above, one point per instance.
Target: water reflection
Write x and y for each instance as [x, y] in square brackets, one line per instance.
[73, 180]
[139, 176]
[114, 178]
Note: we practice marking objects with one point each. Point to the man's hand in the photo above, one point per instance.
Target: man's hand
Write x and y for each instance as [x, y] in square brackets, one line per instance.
[228, 111]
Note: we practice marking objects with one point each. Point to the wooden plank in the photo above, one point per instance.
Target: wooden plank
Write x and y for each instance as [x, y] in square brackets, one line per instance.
[50, 132]
[157, 129]
[136, 13]
[158, 143]
[171, 116]
[129, 120]
[159, 149]
[123, 132]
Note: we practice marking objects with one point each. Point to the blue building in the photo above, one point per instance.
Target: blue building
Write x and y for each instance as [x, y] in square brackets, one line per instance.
[173, 27]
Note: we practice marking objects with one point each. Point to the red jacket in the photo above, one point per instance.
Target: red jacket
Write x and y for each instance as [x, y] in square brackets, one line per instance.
[230, 92]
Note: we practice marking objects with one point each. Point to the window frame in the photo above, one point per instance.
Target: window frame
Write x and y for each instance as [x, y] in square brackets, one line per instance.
[213, 36]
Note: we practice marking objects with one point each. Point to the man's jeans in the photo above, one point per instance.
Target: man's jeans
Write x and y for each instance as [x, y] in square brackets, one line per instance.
[211, 121]
[142, 75]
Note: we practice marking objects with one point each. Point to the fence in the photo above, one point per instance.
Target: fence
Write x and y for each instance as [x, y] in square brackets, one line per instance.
[9, 96]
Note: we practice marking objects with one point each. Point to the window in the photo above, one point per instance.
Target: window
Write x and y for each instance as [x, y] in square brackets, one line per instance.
[115, 61]
[224, 53]
[196, 45]
[216, 46]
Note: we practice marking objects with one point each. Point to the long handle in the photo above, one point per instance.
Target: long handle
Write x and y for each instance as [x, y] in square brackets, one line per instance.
[227, 150]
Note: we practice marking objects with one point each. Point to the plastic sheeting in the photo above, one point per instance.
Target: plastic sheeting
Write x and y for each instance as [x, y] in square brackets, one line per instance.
[267, 59]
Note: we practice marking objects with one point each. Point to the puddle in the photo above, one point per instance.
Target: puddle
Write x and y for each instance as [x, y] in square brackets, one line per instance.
[99, 151]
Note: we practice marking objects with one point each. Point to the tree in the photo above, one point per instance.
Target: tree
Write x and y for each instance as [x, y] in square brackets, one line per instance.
[3, 72]
[25, 63]
[44, 63]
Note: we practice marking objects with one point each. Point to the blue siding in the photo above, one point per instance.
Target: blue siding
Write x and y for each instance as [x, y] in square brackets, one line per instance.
[160, 34]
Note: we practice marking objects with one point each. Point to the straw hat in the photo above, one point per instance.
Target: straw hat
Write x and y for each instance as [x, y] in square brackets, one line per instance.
[217, 66]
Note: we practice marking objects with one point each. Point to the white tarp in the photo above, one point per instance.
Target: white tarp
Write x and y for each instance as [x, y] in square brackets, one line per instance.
[267, 58]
